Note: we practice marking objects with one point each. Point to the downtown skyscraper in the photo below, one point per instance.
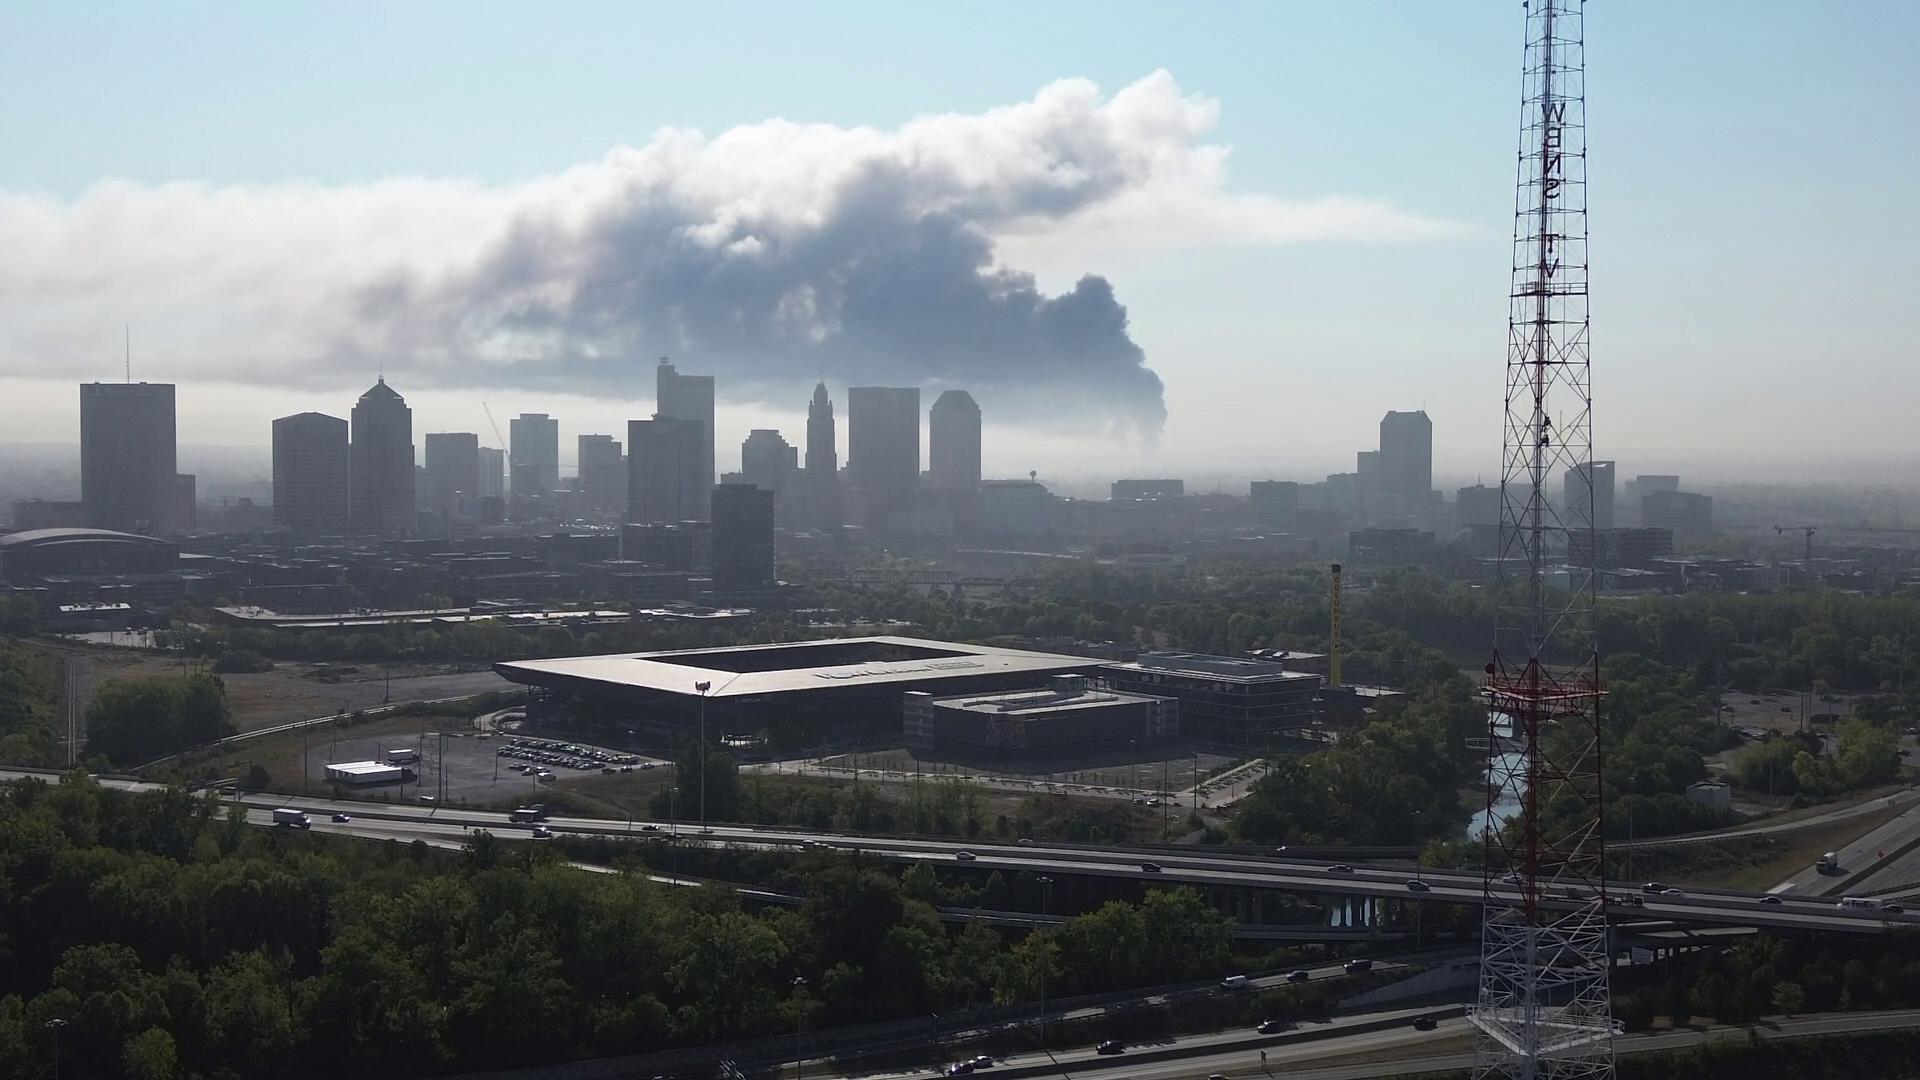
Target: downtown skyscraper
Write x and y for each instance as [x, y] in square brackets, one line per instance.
[823, 463]
[689, 399]
[380, 489]
[310, 474]
[883, 450]
[128, 463]
[953, 442]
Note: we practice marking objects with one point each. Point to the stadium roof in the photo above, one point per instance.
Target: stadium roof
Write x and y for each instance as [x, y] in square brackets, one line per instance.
[1200, 665]
[793, 667]
[50, 537]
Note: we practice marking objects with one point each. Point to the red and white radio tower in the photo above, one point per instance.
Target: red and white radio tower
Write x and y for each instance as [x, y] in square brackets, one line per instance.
[1544, 1009]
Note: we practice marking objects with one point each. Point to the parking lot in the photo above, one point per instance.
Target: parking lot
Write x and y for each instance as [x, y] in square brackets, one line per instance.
[467, 767]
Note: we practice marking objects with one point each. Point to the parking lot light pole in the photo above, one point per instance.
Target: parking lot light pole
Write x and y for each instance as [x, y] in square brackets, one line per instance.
[703, 687]
[799, 1025]
[56, 1025]
[1046, 902]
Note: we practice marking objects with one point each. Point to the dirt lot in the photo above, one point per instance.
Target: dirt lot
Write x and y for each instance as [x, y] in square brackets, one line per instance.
[290, 691]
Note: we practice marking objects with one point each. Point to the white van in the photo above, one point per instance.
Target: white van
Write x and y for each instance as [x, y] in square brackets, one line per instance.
[1858, 903]
[1234, 982]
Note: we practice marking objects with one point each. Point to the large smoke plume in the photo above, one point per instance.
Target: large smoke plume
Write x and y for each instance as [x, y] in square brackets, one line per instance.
[766, 255]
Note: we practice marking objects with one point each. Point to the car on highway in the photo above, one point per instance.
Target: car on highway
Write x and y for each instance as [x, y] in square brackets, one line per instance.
[1653, 887]
[541, 832]
[1416, 885]
[1767, 899]
[649, 828]
[960, 1068]
[1026, 841]
[1149, 868]
[964, 856]
[1271, 1027]
[1357, 965]
[1893, 909]
[342, 818]
[1298, 975]
[982, 1061]
[1671, 892]
[1216, 1076]
[1425, 1023]
[1340, 868]
[1111, 1046]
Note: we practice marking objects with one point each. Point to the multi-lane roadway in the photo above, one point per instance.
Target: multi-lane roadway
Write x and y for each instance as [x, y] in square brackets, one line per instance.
[1301, 876]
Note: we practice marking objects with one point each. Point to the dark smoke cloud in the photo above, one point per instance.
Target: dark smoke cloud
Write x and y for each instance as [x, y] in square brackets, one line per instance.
[769, 255]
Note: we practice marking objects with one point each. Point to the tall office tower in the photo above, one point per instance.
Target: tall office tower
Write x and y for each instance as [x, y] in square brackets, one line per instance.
[1406, 456]
[535, 440]
[127, 456]
[1275, 505]
[603, 476]
[883, 449]
[1477, 505]
[664, 478]
[452, 474]
[493, 473]
[823, 462]
[380, 483]
[953, 442]
[1587, 489]
[742, 537]
[689, 398]
[767, 461]
[310, 474]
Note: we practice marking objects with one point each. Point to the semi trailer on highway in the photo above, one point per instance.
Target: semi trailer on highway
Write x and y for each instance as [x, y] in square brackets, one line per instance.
[292, 818]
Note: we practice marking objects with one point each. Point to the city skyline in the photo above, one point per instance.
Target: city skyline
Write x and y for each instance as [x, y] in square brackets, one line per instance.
[1360, 220]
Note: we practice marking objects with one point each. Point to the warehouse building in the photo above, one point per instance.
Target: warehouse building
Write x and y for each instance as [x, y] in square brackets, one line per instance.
[1226, 700]
[363, 773]
[1068, 713]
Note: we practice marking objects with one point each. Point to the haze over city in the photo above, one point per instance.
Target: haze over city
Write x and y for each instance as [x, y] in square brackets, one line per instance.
[1137, 221]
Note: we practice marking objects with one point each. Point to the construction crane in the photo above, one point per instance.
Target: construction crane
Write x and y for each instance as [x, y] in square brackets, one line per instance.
[497, 437]
[1809, 530]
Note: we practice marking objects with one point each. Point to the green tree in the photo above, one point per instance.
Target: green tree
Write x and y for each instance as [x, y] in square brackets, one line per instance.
[1789, 997]
[150, 1055]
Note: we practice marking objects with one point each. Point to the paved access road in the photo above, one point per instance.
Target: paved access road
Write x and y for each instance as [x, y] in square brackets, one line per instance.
[1884, 858]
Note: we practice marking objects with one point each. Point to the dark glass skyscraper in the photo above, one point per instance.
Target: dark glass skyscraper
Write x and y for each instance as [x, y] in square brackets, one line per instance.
[883, 450]
[310, 474]
[127, 457]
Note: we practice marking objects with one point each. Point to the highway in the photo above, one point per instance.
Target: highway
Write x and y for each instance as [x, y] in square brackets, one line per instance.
[1238, 1055]
[1307, 877]
[1888, 856]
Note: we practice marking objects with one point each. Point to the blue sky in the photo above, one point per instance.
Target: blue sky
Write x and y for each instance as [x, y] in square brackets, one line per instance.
[1753, 251]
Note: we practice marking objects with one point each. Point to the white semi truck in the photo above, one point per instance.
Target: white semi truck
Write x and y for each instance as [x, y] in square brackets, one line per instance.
[288, 816]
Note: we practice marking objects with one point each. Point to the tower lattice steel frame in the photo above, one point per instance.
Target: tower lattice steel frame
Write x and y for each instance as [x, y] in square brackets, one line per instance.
[1544, 1009]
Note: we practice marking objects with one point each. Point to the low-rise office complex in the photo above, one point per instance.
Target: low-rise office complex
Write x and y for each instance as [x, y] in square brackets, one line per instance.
[1225, 700]
[1067, 714]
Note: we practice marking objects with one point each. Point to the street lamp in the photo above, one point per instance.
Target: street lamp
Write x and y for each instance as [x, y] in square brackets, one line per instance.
[799, 1025]
[1046, 902]
[56, 1025]
[702, 688]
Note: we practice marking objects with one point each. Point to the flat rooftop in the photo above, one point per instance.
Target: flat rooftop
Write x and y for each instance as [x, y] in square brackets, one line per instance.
[793, 666]
[1201, 665]
[1036, 702]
